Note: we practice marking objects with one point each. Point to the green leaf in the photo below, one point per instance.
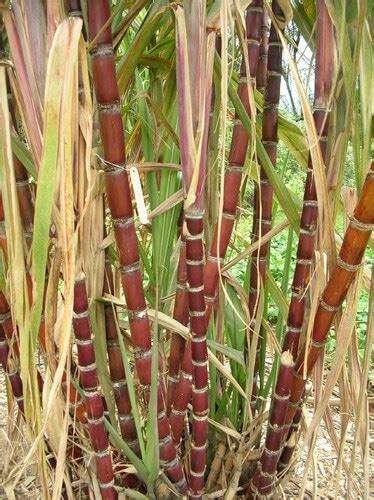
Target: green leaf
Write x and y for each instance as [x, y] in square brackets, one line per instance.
[129, 61]
[24, 155]
[64, 51]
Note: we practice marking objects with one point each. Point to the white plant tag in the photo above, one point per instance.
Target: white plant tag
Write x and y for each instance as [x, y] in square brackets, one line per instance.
[139, 198]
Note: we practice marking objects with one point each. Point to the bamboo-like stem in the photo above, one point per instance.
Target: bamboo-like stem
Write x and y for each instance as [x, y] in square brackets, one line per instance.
[177, 344]
[323, 84]
[232, 183]
[263, 479]
[120, 205]
[74, 8]
[262, 68]
[184, 381]
[349, 261]
[290, 432]
[237, 156]
[264, 192]
[305, 250]
[194, 85]
[115, 362]
[199, 350]
[183, 392]
[116, 368]
[89, 382]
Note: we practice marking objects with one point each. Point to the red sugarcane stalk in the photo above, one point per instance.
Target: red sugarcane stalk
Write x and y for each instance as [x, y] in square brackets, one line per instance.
[194, 85]
[184, 381]
[232, 184]
[120, 205]
[76, 403]
[177, 344]
[116, 368]
[93, 399]
[183, 393]
[74, 8]
[264, 192]
[290, 432]
[237, 156]
[264, 477]
[349, 261]
[323, 85]
[199, 350]
[305, 250]
[262, 68]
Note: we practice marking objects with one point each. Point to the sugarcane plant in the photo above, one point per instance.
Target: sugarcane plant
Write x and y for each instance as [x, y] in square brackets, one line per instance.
[178, 253]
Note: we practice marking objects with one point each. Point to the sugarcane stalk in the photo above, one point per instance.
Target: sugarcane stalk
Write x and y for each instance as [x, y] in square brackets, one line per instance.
[93, 400]
[323, 84]
[264, 477]
[232, 183]
[177, 345]
[183, 387]
[264, 191]
[115, 362]
[77, 406]
[183, 393]
[262, 68]
[348, 264]
[290, 431]
[184, 379]
[199, 351]
[309, 215]
[120, 205]
[237, 156]
[74, 8]
[116, 368]
[194, 56]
